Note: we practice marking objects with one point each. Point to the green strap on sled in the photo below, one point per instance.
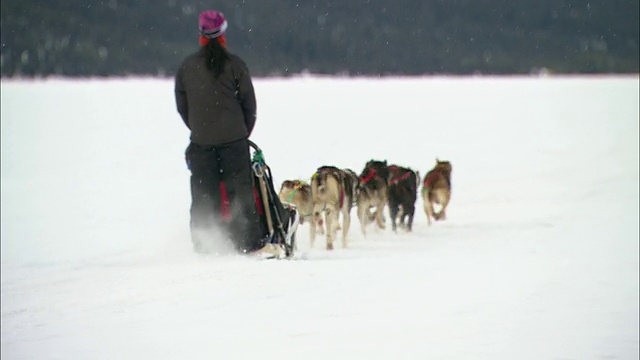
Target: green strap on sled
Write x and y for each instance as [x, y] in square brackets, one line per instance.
[258, 157]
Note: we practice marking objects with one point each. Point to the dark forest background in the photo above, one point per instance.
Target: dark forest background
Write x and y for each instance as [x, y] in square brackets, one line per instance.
[347, 37]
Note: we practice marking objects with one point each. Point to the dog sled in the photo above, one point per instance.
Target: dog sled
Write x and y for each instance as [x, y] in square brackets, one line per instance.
[279, 221]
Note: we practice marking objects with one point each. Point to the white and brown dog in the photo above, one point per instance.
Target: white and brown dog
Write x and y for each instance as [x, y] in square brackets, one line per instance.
[298, 193]
[332, 194]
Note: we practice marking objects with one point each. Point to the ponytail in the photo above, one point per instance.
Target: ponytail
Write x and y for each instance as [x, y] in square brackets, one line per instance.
[216, 56]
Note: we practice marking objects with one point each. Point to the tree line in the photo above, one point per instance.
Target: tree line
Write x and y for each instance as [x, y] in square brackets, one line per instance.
[348, 37]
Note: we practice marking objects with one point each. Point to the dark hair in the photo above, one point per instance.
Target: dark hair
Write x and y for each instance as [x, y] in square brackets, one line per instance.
[216, 57]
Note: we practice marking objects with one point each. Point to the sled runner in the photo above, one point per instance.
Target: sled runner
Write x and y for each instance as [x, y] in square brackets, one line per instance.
[279, 221]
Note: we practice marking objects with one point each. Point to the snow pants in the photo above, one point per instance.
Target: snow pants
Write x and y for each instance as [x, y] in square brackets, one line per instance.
[223, 206]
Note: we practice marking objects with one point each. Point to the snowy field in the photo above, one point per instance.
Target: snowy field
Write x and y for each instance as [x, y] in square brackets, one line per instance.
[538, 258]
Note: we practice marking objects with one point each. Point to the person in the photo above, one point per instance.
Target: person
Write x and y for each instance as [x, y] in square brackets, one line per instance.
[215, 98]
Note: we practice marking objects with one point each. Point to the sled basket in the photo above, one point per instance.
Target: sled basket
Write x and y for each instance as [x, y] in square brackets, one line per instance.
[279, 221]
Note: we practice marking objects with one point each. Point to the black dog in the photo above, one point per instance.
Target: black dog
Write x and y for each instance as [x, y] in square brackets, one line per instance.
[403, 192]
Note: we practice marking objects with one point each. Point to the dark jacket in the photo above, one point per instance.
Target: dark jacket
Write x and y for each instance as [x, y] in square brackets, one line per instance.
[216, 110]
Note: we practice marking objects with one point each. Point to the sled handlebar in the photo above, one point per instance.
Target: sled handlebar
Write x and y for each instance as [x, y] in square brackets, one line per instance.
[254, 146]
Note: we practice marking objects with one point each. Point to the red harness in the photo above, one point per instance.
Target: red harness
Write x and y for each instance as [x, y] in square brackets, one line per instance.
[430, 178]
[368, 177]
[398, 179]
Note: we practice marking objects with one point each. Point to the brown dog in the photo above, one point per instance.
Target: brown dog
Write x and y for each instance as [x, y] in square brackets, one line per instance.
[436, 189]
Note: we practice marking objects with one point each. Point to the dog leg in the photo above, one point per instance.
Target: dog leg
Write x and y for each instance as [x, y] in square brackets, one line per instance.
[312, 226]
[363, 217]
[428, 207]
[346, 223]
[393, 212]
[330, 219]
[379, 216]
[432, 212]
[443, 199]
[402, 215]
[410, 214]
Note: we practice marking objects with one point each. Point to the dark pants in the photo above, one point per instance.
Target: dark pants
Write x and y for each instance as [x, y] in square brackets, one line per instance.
[223, 206]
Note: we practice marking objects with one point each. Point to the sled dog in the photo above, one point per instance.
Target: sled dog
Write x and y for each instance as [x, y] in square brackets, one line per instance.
[298, 193]
[402, 195]
[372, 194]
[332, 194]
[436, 189]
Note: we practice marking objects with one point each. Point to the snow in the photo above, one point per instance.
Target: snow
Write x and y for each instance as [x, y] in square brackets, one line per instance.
[538, 258]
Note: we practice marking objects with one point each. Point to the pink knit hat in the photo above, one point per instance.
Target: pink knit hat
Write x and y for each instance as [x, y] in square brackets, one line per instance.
[212, 24]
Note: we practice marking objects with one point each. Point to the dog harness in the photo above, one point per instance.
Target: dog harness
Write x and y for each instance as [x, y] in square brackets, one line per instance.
[296, 185]
[430, 178]
[396, 180]
[368, 177]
